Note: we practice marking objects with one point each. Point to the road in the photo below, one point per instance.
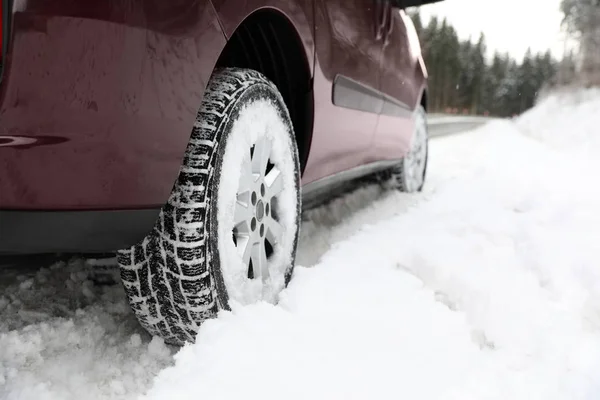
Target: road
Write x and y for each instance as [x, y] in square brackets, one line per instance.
[443, 124]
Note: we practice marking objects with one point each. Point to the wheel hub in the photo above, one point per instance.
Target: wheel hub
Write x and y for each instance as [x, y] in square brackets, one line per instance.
[260, 211]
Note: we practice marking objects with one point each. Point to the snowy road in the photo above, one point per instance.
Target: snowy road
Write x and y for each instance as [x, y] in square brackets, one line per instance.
[447, 124]
[485, 286]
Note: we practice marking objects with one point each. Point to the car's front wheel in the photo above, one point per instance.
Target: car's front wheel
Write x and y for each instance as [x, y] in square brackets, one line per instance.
[229, 230]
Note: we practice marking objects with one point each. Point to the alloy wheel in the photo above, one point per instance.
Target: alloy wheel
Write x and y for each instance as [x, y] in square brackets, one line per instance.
[257, 230]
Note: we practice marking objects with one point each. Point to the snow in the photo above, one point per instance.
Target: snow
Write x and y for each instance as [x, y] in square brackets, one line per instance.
[69, 334]
[572, 121]
[256, 121]
[485, 286]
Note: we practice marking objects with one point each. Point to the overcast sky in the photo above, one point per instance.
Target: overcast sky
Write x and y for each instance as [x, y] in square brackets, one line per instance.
[508, 25]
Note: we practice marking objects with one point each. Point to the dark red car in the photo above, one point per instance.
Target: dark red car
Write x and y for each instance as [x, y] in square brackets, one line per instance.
[187, 133]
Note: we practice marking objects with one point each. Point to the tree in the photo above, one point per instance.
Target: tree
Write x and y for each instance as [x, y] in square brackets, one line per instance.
[582, 20]
[527, 82]
[494, 75]
[477, 60]
[567, 69]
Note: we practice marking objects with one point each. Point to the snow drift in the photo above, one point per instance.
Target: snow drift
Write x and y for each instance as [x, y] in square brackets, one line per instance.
[566, 120]
[485, 286]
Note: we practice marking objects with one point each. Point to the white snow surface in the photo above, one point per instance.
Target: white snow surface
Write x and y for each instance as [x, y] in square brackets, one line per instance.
[485, 286]
[567, 120]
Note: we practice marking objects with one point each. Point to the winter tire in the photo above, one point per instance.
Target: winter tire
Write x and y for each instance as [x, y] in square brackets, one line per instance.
[229, 230]
[409, 174]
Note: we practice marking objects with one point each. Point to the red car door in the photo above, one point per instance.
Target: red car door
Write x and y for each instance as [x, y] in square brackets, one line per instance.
[401, 84]
[347, 103]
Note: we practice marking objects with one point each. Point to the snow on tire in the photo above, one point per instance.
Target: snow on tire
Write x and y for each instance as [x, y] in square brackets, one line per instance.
[409, 174]
[229, 231]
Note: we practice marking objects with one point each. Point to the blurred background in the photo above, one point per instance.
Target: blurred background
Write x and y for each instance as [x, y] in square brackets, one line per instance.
[500, 58]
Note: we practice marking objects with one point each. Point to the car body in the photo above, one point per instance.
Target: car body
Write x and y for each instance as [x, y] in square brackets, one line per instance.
[98, 99]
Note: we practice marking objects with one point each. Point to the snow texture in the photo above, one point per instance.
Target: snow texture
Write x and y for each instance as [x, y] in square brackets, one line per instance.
[484, 286]
[568, 121]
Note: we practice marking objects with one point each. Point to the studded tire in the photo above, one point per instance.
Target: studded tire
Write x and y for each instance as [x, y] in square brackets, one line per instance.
[174, 278]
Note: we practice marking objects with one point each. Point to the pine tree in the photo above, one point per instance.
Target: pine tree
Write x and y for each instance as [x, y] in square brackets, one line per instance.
[526, 82]
[496, 74]
[566, 70]
[479, 69]
[582, 20]
[465, 79]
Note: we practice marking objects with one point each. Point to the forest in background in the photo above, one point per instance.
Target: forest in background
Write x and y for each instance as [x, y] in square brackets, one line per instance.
[462, 79]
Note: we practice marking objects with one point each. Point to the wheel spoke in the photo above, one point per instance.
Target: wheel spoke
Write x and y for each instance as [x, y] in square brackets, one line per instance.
[244, 247]
[259, 261]
[242, 214]
[246, 176]
[274, 232]
[274, 181]
[260, 156]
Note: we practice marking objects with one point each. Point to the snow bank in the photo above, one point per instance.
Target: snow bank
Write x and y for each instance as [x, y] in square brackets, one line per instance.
[569, 121]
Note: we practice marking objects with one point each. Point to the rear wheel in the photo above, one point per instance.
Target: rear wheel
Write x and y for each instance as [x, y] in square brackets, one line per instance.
[229, 230]
[409, 174]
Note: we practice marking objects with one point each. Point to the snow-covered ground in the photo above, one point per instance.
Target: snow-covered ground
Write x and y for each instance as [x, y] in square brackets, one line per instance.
[485, 286]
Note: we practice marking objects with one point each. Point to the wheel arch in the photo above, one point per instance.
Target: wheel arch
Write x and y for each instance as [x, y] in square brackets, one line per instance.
[269, 41]
[424, 98]
[422, 77]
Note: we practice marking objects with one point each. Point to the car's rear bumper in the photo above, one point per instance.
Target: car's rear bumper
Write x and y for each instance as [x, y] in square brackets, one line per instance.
[73, 231]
